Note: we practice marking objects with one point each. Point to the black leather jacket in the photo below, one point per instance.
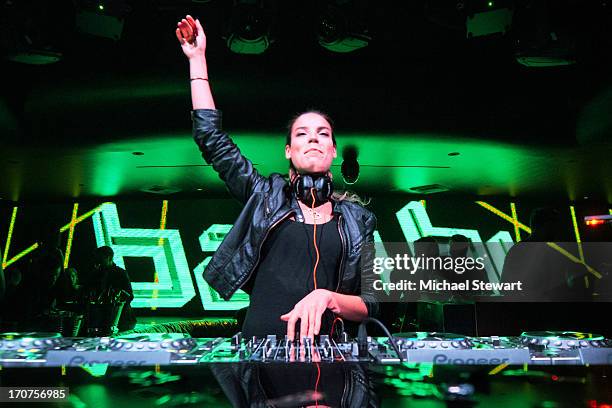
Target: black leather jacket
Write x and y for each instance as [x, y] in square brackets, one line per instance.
[267, 202]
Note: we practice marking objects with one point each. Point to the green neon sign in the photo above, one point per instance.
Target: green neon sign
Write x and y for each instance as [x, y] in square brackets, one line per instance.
[209, 242]
[165, 247]
[415, 223]
[174, 287]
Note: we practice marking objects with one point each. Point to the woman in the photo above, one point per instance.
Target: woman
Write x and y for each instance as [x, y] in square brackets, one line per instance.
[299, 250]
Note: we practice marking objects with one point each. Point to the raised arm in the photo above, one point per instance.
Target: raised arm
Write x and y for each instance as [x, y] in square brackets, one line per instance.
[217, 148]
[193, 42]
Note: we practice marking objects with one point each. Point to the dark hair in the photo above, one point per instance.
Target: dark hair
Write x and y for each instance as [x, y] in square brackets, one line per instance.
[427, 246]
[315, 111]
[459, 246]
[104, 252]
[337, 195]
[458, 238]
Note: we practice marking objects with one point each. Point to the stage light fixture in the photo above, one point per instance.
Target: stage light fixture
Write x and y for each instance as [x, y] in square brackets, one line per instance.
[101, 18]
[250, 26]
[487, 17]
[340, 27]
[541, 37]
[32, 32]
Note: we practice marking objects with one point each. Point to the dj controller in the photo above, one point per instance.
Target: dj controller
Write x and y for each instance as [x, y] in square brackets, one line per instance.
[532, 348]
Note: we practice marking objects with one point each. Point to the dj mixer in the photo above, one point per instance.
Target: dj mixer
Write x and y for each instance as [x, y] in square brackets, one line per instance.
[532, 348]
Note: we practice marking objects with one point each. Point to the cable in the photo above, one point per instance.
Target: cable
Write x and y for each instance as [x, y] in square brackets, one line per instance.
[317, 383]
[314, 276]
[331, 333]
[362, 338]
[314, 239]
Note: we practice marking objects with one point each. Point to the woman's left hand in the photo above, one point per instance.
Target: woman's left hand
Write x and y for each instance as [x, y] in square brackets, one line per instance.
[309, 311]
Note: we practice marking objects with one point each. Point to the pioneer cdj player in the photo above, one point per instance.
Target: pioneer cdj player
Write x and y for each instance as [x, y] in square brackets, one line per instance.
[533, 348]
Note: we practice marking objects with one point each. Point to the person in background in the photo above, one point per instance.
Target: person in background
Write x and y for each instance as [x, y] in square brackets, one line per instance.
[68, 289]
[35, 297]
[543, 270]
[108, 283]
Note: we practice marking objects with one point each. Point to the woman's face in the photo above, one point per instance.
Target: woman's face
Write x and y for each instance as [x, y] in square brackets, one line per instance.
[312, 148]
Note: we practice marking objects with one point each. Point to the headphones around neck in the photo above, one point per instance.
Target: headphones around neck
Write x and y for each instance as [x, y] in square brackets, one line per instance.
[303, 184]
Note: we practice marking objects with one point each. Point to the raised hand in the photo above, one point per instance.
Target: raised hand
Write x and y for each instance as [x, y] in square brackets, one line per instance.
[190, 35]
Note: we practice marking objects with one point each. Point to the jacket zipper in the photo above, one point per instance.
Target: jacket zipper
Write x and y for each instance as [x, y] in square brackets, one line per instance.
[340, 269]
[260, 245]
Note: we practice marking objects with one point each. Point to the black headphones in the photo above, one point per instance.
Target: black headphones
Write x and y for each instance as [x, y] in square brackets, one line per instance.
[321, 183]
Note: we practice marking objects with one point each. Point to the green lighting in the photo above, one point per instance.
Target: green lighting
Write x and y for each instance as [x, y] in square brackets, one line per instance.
[210, 240]
[173, 284]
[517, 231]
[9, 236]
[101, 6]
[580, 251]
[75, 210]
[174, 287]
[498, 369]
[415, 223]
[504, 216]
[381, 252]
[162, 226]
[21, 254]
[96, 370]
[483, 163]
[490, 4]
[80, 218]
[575, 224]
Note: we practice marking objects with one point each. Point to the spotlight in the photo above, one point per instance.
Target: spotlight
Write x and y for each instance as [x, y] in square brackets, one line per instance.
[339, 28]
[33, 32]
[250, 25]
[540, 39]
[350, 166]
[486, 18]
[102, 18]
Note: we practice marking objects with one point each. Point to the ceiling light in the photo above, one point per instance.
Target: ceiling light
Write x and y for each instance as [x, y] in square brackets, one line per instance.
[250, 24]
[33, 32]
[340, 27]
[485, 18]
[101, 18]
[540, 40]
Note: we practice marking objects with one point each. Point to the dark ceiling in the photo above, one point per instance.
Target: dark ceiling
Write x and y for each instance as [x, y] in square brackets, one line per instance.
[419, 91]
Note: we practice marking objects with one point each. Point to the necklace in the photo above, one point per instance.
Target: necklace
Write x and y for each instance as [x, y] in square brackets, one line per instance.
[314, 214]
